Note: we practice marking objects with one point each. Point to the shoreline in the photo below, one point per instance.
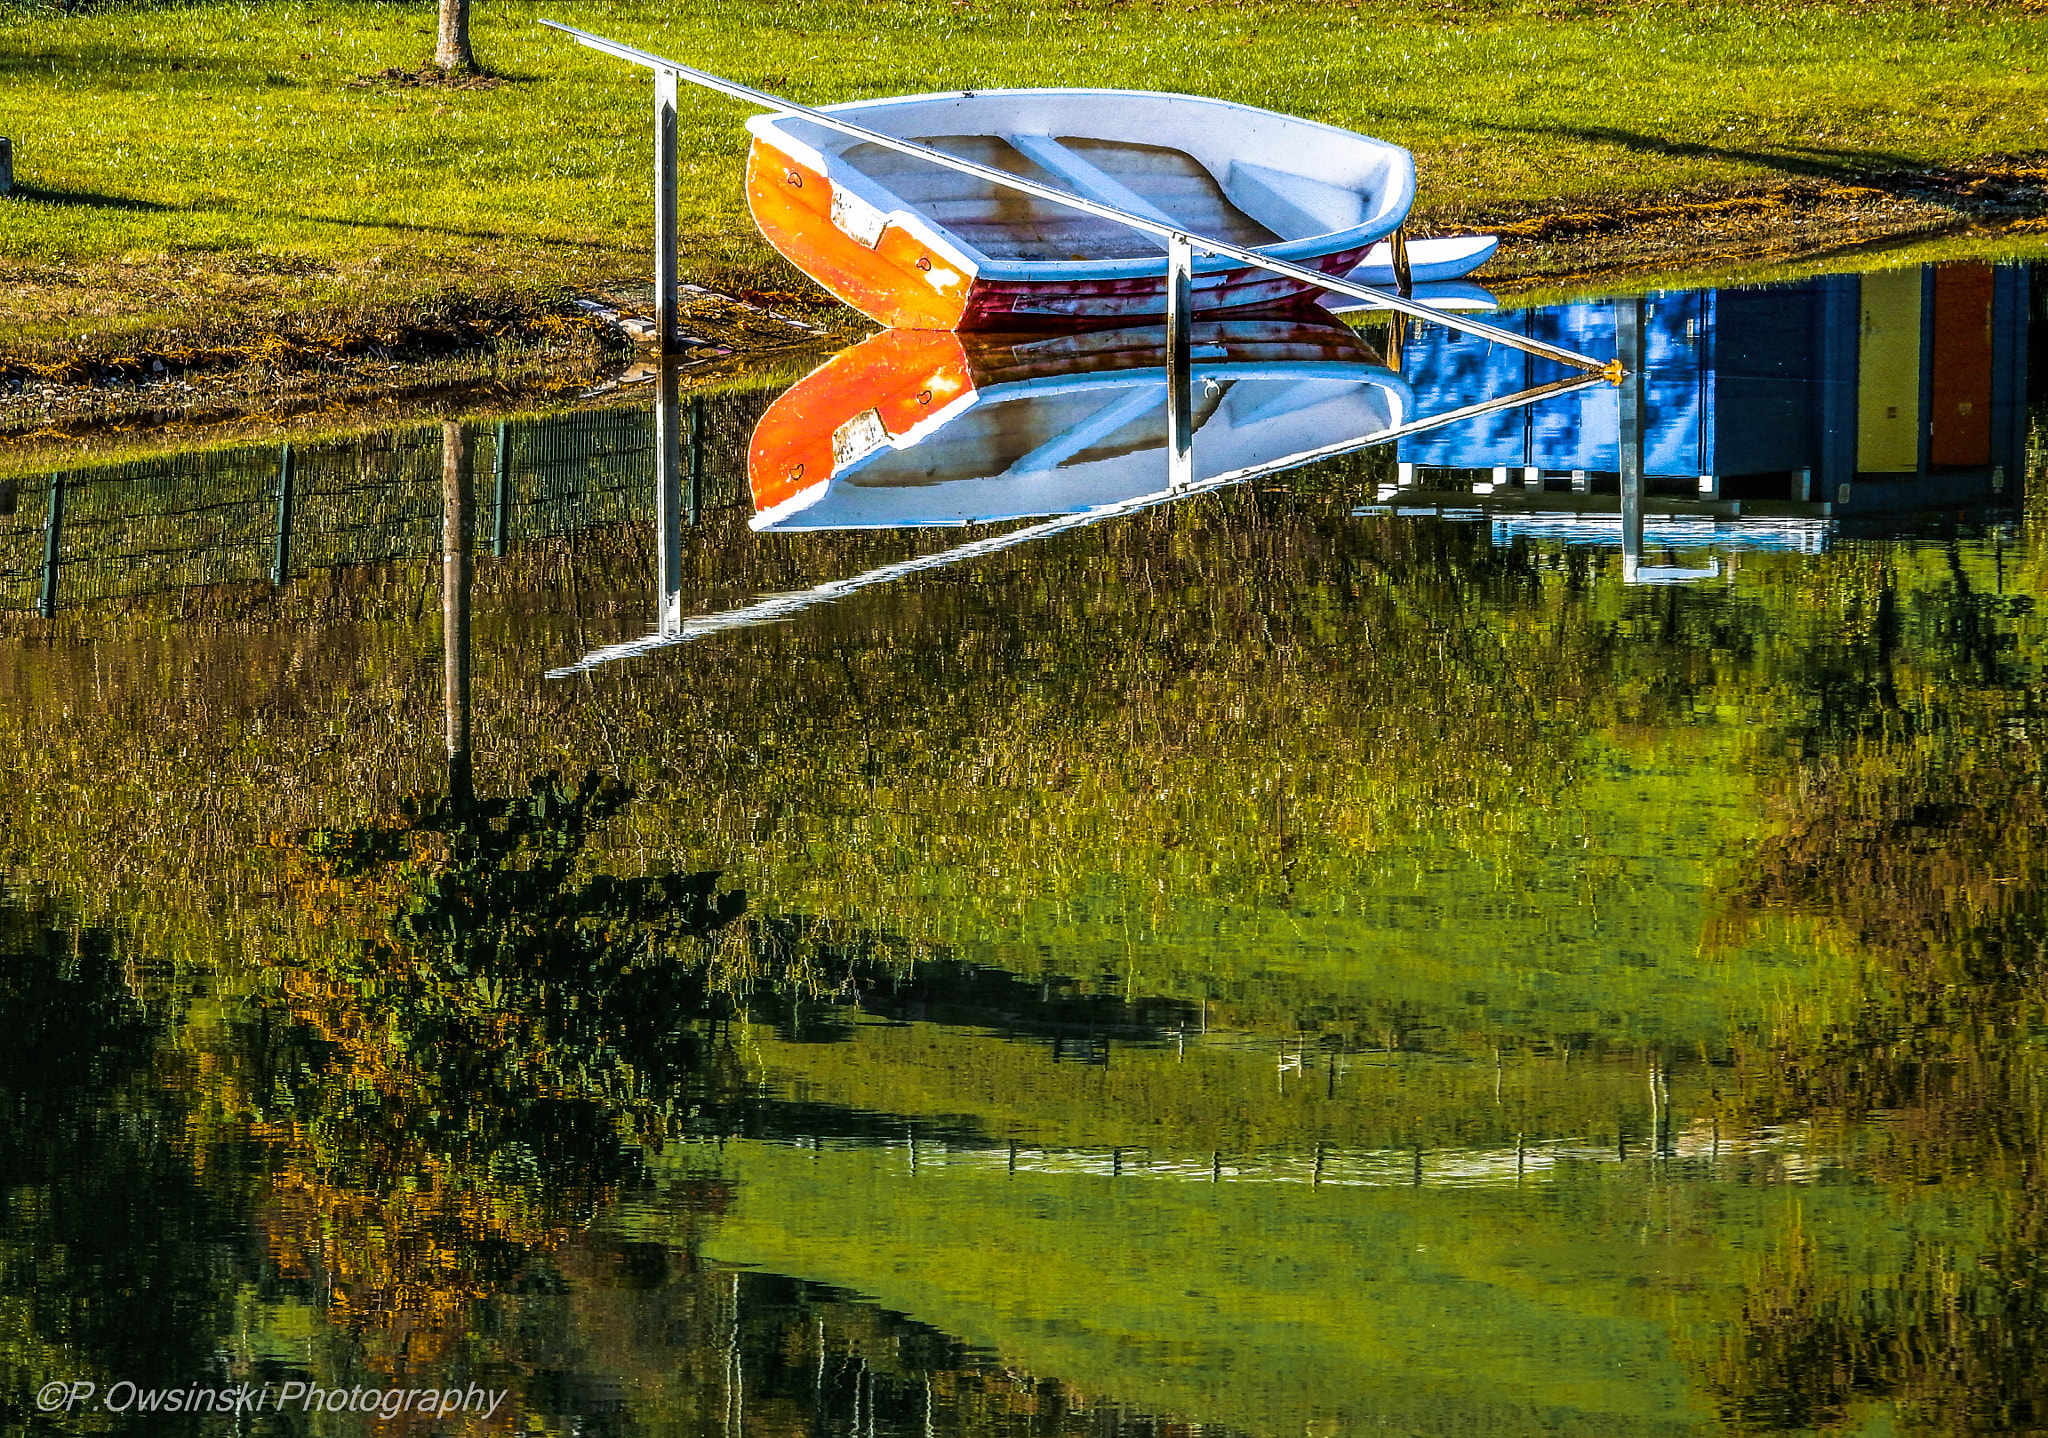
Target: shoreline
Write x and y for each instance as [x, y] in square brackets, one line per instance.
[476, 349]
[1784, 223]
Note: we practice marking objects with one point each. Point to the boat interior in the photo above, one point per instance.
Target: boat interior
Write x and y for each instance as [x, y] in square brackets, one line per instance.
[1156, 181]
[1247, 176]
[1062, 429]
[1006, 359]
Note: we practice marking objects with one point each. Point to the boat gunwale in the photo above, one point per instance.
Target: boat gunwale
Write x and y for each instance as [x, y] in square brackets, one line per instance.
[769, 129]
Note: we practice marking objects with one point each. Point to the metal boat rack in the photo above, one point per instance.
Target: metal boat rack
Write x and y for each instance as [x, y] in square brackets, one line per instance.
[1181, 245]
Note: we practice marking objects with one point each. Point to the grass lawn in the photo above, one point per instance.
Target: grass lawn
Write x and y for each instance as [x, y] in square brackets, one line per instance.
[215, 156]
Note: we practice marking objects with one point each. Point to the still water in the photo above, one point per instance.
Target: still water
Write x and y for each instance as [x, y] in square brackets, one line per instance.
[880, 905]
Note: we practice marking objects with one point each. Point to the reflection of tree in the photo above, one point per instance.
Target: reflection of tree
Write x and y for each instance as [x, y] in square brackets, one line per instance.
[493, 1030]
[1914, 836]
[108, 1266]
[1954, 1341]
[1915, 841]
[498, 1028]
[1927, 857]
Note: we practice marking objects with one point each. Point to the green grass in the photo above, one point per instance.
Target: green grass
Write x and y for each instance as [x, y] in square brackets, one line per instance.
[215, 156]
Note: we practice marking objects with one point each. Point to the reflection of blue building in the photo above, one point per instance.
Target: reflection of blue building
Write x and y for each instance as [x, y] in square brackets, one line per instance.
[1834, 389]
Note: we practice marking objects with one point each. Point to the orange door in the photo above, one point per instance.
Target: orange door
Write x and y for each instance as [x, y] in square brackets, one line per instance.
[1961, 417]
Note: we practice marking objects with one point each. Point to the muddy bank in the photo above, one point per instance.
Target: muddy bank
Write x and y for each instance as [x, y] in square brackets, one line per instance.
[457, 351]
[1784, 222]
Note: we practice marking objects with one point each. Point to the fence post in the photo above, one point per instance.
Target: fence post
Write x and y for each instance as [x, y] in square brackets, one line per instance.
[501, 494]
[53, 526]
[281, 551]
[696, 456]
[1404, 279]
[457, 529]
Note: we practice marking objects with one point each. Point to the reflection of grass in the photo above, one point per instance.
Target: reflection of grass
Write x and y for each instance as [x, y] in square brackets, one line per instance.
[1592, 1300]
[271, 177]
[1050, 772]
[84, 456]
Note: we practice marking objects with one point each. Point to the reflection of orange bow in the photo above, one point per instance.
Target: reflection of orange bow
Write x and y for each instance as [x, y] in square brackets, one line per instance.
[859, 398]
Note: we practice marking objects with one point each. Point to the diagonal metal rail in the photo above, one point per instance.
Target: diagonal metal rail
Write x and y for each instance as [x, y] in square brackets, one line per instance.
[776, 608]
[1609, 370]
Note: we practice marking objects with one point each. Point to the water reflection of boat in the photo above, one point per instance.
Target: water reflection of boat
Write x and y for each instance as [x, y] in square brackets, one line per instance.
[1266, 396]
[916, 245]
[928, 428]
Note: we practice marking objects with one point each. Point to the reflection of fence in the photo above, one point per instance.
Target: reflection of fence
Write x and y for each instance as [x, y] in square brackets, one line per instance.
[265, 512]
[1789, 1151]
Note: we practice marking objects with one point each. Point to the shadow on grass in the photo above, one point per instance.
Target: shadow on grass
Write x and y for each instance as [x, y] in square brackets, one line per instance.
[42, 9]
[117, 68]
[86, 199]
[1802, 161]
[407, 227]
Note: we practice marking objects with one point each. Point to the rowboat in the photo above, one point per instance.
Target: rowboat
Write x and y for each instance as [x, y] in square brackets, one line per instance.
[918, 428]
[915, 244]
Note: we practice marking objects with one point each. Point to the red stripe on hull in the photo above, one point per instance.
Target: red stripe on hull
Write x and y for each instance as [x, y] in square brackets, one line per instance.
[1072, 304]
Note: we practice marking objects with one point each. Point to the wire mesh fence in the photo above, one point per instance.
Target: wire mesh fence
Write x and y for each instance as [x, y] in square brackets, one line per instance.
[266, 512]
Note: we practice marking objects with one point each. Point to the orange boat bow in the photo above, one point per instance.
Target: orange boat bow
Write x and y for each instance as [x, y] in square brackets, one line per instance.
[897, 282]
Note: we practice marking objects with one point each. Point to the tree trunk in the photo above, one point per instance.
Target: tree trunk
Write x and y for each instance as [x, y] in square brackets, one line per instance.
[453, 52]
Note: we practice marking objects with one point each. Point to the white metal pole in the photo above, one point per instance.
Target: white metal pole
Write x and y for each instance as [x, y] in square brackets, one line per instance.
[1180, 365]
[1629, 346]
[665, 239]
[668, 501]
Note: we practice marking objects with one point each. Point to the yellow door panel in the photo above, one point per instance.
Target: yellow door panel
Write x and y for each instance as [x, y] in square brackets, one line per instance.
[1888, 374]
